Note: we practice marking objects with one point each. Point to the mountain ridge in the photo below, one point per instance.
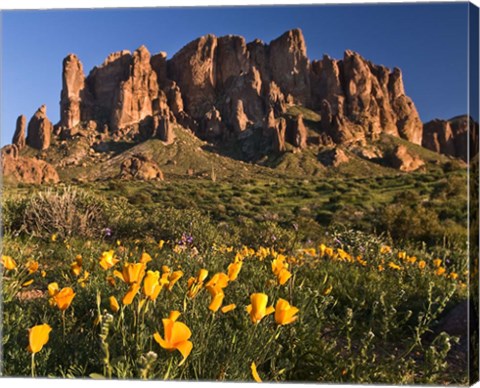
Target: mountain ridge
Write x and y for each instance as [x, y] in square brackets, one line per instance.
[227, 91]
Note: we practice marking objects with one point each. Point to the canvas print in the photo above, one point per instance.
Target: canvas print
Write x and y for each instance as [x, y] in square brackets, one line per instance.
[252, 193]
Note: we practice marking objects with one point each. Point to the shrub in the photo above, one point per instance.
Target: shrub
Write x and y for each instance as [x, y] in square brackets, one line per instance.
[65, 212]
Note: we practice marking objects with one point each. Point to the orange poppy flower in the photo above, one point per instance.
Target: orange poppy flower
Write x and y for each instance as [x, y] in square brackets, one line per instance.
[37, 337]
[177, 336]
[63, 299]
[132, 291]
[108, 260]
[285, 313]
[258, 307]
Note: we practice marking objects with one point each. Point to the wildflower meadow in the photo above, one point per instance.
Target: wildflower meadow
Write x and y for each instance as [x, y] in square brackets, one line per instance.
[350, 307]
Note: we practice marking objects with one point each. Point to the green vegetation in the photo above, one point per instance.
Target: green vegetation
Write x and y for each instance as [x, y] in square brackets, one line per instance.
[374, 259]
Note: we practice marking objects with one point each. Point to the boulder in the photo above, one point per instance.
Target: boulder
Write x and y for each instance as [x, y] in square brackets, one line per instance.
[403, 160]
[39, 130]
[140, 167]
[333, 157]
[26, 170]
[19, 135]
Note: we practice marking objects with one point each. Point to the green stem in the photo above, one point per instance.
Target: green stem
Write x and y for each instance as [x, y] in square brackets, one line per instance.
[265, 347]
[168, 369]
[63, 323]
[33, 364]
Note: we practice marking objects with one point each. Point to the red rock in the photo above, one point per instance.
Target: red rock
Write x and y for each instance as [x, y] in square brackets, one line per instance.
[73, 81]
[279, 136]
[297, 132]
[212, 126]
[333, 157]
[164, 129]
[231, 59]
[19, 135]
[450, 137]
[140, 167]
[39, 130]
[159, 66]
[133, 100]
[174, 96]
[26, 170]
[275, 99]
[404, 160]
[408, 122]
[193, 68]
[104, 82]
[239, 120]
[289, 65]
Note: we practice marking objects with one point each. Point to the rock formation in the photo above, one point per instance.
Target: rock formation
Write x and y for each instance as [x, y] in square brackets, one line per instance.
[141, 167]
[193, 68]
[450, 137]
[224, 90]
[289, 65]
[296, 132]
[39, 130]
[401, 159]
[134, 96]
[163, 129]
[279, 136]
[333, 157]
[220, 86]
[26, 170]
[19, 135]
[362, 100]
[73, 81]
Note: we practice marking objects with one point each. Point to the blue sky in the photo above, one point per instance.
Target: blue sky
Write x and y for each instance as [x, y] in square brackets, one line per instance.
[427, 41]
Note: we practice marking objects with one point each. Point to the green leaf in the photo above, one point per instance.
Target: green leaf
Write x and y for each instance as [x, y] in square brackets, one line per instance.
[97, 376]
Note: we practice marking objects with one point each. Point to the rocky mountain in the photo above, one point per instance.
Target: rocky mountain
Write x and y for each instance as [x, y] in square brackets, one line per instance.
[230, 92]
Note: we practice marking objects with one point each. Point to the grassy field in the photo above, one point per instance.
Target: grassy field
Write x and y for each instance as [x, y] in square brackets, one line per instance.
[371, 263]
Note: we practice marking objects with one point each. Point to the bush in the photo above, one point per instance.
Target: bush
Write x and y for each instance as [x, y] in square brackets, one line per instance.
[65, 212]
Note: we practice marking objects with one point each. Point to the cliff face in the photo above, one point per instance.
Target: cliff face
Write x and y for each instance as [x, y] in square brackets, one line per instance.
[450, 137]
[220, 87]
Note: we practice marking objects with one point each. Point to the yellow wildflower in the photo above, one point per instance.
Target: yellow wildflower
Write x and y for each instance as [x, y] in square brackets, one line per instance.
[392, 265]
[258, 307]
[176, 336]
[285, 313]
[37, 337]
[108, 260]
[255, 375]
[8, 263]
[440, 271]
